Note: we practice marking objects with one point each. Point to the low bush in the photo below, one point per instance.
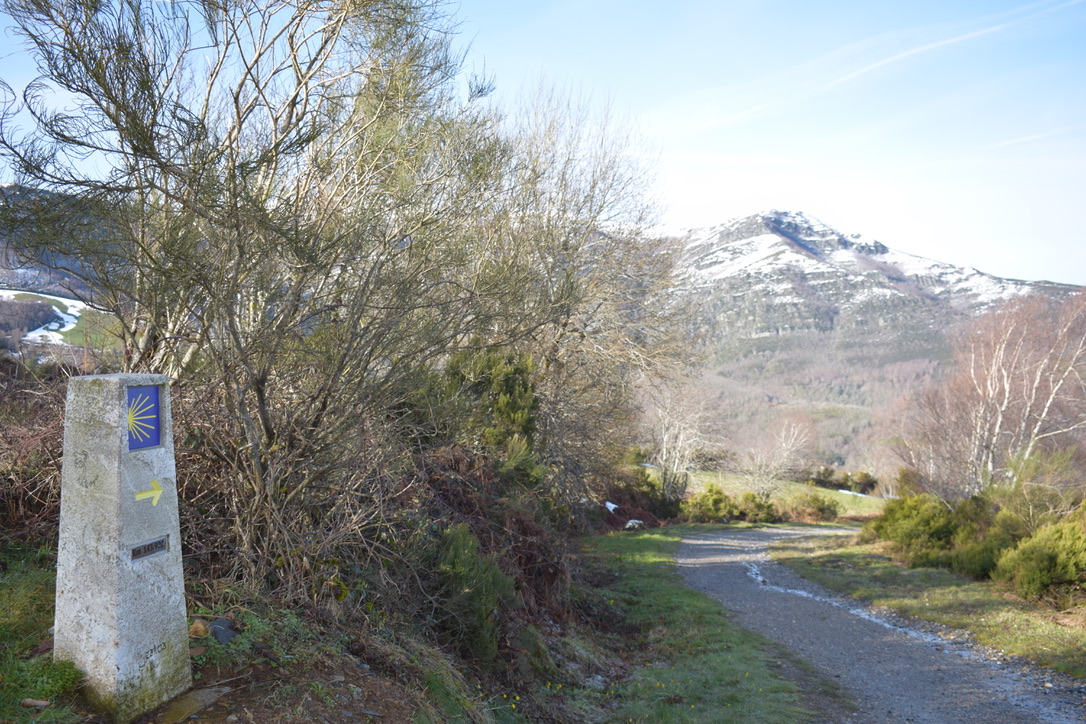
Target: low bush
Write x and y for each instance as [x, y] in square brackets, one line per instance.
[980, 538]
[828, 478]
[474, 591]
[977, 538]
[713, 505]
[920, 526]
[810, 507]
[755, 509]
[635, 487]
[1053, 558]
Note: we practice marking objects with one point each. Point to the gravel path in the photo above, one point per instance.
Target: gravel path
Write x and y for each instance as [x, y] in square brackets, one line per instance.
[895, 670]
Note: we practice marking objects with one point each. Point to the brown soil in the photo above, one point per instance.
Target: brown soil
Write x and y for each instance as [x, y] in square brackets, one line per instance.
[262, 694]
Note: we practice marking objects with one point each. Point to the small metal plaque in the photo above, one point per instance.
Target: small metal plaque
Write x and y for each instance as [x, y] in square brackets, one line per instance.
[151, 548]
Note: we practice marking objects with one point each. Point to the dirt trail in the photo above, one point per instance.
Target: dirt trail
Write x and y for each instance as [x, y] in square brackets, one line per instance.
[895, 672]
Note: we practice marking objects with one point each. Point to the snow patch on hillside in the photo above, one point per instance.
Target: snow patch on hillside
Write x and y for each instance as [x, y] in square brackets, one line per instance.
[69, 311]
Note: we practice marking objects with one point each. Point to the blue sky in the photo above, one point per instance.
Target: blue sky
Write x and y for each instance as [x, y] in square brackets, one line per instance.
[953, 129]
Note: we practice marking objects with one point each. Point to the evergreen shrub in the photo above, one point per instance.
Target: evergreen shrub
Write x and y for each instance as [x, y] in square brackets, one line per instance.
[1054, 557]
[920, 526]
[713, 505]
[755, 509]
[638, 488]
[474, 590]
[810, 507]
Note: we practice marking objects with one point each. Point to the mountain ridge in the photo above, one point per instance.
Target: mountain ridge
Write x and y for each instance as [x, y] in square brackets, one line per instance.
[800, 319]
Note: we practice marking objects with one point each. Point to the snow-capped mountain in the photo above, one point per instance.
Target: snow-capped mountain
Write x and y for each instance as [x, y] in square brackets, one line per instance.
[801, 319]
[795, 261]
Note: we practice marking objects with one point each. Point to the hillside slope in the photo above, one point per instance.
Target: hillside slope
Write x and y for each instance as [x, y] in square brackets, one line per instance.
[803, 321]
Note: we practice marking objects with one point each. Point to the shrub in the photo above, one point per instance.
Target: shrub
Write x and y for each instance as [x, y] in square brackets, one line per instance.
[755, 509]
[968, 538]
[863, 482]
[823, 477]
[810, 507]
[1054, 556]
[919, 525]
[979, 540]
[711, 505]
[473, 592]
[977, 559]
[637, 488]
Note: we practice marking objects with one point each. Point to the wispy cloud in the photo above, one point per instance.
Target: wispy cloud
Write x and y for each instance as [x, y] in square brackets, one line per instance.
[1027, 12]
[720, 107]
[1022, 140]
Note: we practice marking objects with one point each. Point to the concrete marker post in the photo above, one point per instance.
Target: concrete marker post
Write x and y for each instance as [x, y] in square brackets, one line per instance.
[120, 595]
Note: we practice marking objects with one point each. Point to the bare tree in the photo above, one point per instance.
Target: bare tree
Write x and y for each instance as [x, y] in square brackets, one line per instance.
[766, 462]
[295, 210]
[1016, 389]
[675, 423]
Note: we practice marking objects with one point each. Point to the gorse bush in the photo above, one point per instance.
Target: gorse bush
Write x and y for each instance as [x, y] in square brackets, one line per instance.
[967, 537]
[827, 477]
[637, 487]
[918, 525]
[713, 505]
[810, 507]
[1053, 558]
[976, 553]
[976, 538]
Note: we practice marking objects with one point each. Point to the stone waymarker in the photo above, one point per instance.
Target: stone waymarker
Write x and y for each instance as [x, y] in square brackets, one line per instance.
[120, 607]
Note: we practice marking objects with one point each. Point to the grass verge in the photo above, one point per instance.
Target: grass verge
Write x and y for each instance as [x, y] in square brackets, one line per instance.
[642, 647]
[26, 671]
[691, 664]
[986, 609]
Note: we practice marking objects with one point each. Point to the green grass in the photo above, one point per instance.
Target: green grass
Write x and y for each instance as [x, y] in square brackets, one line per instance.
[694, 665]
[99, 329]
[26, 589]
[29, 297]
[851, 506]
[984, 608]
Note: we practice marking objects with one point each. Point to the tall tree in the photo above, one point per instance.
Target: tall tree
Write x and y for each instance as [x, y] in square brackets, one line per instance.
[293, 207]
[1017, 388]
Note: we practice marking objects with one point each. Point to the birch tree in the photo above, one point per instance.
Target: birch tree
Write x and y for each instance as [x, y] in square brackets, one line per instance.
[1016, 390]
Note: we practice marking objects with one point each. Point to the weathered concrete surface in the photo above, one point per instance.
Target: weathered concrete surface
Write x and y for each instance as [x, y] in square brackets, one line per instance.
[120, 605]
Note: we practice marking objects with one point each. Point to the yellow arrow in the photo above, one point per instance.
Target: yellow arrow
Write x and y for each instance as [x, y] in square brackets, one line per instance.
[154, 493]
